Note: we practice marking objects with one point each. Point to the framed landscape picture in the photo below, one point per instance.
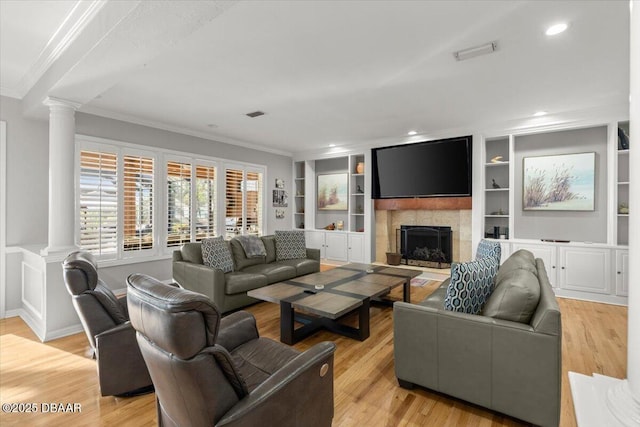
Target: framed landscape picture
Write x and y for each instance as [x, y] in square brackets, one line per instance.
[564, 182]
[332, 192]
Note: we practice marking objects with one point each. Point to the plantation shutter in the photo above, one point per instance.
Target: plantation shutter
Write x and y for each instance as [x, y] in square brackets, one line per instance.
[254, 203]
[138, 203]
[178, 203]
[205, 209]
[98, 197]
[234, 202]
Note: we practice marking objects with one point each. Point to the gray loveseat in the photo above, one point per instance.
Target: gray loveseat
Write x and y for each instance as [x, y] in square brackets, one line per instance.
[510, 366]
[229, 290]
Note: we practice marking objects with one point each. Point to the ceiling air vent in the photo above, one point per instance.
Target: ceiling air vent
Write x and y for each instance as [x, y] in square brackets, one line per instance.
[255, 114]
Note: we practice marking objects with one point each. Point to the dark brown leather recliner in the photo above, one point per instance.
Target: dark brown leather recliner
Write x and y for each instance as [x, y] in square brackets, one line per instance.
[211, 371]
[105, 318]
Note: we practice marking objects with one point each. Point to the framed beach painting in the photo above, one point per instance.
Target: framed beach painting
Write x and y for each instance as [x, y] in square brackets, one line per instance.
[564, 182]
[332, 192]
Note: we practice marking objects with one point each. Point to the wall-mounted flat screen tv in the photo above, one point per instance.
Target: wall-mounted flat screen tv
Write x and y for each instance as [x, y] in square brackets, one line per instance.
[439, 168]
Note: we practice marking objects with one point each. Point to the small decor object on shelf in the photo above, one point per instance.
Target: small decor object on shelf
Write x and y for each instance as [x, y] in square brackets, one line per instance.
[497, 159]
[623, 140]
[331, 226]
[359, 209]
[339, 225]
[360, 167]
[623, 209]
[494, 184]
[359, 189]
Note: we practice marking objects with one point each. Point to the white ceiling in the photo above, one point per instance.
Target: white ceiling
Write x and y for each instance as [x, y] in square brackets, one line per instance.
[341, 72]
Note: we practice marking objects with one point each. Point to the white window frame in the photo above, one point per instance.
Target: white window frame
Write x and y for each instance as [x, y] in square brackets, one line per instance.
[160, 158]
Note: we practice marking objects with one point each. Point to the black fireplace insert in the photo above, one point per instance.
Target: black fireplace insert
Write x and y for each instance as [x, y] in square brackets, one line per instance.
[425, 246]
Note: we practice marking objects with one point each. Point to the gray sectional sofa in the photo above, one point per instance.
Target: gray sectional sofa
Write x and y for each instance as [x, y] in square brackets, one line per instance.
[229, 290]
[507, 358]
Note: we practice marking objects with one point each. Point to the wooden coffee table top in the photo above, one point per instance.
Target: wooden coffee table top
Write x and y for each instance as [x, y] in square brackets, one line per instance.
[345, 288]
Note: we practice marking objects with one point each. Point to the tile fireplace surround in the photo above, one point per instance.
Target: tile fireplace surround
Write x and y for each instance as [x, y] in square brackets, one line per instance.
[452, 212]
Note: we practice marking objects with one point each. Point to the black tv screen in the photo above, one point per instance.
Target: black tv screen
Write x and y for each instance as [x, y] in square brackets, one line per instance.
[439, 168]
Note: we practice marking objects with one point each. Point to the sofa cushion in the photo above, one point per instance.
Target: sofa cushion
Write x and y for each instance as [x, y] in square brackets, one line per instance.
[515, 297]
[238, 281]
[489, 249]
[192, 252]
[519, 260]
[252, 245]
[290, 244]
[240, 257]
[216, 254]
[302, 266]
[270, 247]
[470, 286]
[275, 272]
[436, 298]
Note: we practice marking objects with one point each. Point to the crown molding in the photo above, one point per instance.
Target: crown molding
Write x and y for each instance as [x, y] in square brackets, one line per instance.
[178, 129]
[76, 21]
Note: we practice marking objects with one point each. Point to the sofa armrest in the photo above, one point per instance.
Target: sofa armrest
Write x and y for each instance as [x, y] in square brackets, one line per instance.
[200, 278]
[313, 254]
[121, 366]
[297, 392]
[237, 329]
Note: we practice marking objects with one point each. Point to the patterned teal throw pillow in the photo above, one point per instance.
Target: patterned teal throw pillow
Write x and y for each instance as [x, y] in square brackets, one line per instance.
[470, 286]
[216, 254]
[290, 244]
[489, 249]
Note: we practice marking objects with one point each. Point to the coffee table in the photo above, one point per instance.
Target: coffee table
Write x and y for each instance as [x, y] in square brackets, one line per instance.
[320, 300]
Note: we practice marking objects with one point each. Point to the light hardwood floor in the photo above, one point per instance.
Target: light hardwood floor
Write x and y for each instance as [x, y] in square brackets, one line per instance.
[366, 391]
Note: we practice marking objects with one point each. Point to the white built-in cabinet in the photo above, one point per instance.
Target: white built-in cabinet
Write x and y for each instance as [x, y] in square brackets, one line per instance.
[622, 273]
[353, 242]
[577, 269]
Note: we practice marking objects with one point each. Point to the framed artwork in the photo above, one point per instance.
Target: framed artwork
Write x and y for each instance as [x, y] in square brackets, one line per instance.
[332, 192]
[564, 182]
[279, 183]
[280, 199]
[279, 213]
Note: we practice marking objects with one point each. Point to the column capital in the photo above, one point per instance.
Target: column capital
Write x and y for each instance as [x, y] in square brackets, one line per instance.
[52, 103]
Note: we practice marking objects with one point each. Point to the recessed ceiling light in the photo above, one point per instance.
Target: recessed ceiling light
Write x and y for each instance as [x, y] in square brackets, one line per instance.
[556, 29]
[255, 114]
[332, 145]
[539, 113]
[412, 132]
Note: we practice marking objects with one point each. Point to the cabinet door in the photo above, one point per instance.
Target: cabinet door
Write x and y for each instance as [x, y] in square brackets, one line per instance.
[315, 240]
[548, 254]
[356, 248]
[335, 245]
[585, 269]
[622, 273]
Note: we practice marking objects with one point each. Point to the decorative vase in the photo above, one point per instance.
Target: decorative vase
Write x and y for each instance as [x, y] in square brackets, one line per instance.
[360, 167]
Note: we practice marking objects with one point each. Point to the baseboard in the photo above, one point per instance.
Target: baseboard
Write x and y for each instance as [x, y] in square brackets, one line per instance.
[37, 329]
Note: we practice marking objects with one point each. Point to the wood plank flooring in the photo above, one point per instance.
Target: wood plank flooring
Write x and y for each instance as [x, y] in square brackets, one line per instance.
[366, 391]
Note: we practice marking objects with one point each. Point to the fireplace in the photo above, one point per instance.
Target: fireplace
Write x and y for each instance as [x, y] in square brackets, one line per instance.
[425, 246]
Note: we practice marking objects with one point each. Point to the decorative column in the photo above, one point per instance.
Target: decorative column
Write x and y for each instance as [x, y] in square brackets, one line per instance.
[623, 400]
[62, 129]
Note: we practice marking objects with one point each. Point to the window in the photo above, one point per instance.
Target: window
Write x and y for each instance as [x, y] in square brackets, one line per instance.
[138, 203]
[98, 197]
[244, 202]
[205, 202]
[133, 203]
[178, 203]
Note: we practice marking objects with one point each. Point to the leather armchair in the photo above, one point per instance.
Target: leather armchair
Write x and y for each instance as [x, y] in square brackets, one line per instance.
[105, 319]
[212, 371]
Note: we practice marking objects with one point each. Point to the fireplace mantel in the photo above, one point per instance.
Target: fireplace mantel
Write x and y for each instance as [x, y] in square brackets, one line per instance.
[427, 203]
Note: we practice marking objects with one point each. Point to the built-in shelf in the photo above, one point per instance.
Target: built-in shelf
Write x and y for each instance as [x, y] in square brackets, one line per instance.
[496, 216]
[497, 189]
[623, 183]
[496, 164]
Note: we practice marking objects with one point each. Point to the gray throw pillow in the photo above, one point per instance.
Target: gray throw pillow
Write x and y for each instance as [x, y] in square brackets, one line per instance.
[290, 244]
[470, 286]
[515, 297]
[216, 254]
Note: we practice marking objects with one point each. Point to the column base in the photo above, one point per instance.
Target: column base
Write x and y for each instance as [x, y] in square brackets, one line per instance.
[601, 401]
